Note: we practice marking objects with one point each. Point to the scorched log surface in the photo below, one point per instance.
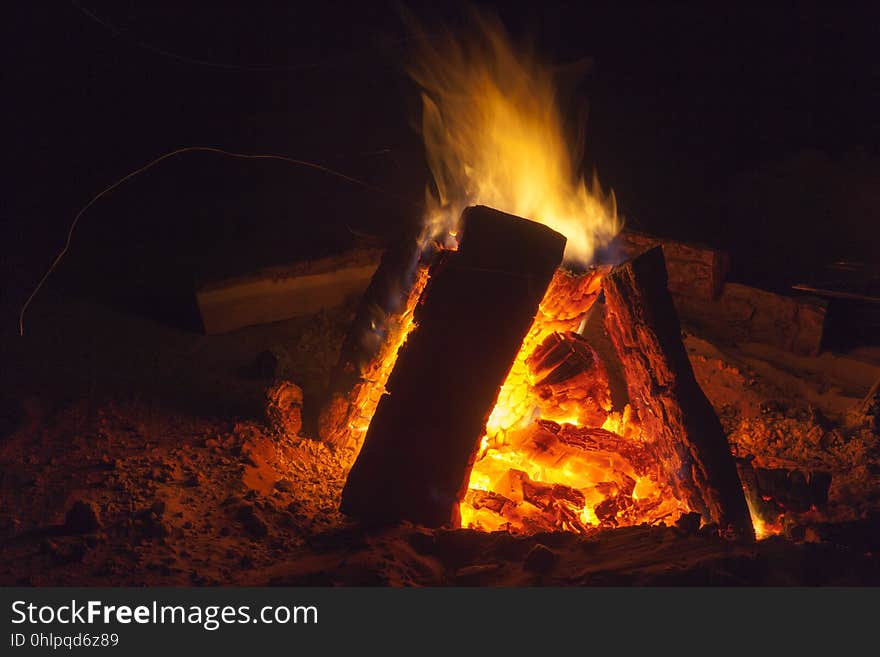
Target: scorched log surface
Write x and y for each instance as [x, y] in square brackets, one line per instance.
[675, 413]
[471, 320]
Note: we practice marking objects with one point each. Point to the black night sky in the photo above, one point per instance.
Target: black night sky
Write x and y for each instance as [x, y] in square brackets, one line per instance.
[748, 127]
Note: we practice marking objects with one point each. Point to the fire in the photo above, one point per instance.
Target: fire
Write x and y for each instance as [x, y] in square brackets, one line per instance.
[494, 135]
[365, 396]
[555, 455]
[567, 460]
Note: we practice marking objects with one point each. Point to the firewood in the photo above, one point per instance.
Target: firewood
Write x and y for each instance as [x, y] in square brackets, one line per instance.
[422, 440]
[594, 439]
[747, 314]
[278, 293]
[570, 378]
[695, 270]
[357, 381]
[680, 423]
[772, 491]
[542, 494]
[485, 499]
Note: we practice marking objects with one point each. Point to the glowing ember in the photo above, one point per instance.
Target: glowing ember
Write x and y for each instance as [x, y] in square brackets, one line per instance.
[366, 395]
[545, 464]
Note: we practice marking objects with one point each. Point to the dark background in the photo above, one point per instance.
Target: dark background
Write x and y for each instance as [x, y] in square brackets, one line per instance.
[752, 128]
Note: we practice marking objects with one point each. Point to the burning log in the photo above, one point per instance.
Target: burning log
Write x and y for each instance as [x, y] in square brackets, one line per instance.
[542, 494]
[675, 414]
[380, 323]
[570, 378]
[773, 491]
[479, 304]
[594, 439]
[484, 499]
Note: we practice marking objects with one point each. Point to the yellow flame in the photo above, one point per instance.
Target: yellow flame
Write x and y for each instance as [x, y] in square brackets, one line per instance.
[494, 135]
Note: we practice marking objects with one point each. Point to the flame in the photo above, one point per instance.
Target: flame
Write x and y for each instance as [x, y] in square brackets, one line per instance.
[494, 135]
[593, 482]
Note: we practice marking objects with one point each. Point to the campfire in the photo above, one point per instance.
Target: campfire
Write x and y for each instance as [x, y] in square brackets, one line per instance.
[468, 387]
[489, 408]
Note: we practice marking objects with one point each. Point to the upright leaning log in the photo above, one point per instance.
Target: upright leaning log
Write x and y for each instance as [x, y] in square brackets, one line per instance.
[471, 319]
[675, 413]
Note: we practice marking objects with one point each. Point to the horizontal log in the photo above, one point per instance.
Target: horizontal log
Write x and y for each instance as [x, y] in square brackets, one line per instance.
[747, 314]
[280, 293]
[694, 270]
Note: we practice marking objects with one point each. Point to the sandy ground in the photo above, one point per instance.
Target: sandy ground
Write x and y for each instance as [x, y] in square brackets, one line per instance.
[133, 453]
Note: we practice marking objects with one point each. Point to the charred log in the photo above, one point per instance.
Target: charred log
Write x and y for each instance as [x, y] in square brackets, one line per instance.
[773, 491]
[479, 304]
[400, 275]
[694, 270]
[677, 417]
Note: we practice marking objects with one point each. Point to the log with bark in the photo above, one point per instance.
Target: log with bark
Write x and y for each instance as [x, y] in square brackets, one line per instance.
[730, 311]
[476, 309]
[678, 419]
[742, 313]
[358, 378]
[695, 270]
[279, 293]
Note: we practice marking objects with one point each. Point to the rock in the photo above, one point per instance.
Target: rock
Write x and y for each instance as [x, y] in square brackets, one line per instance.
[540, 559]
[284, 402]
[249, 519]
[284, 485]
[81, 518]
